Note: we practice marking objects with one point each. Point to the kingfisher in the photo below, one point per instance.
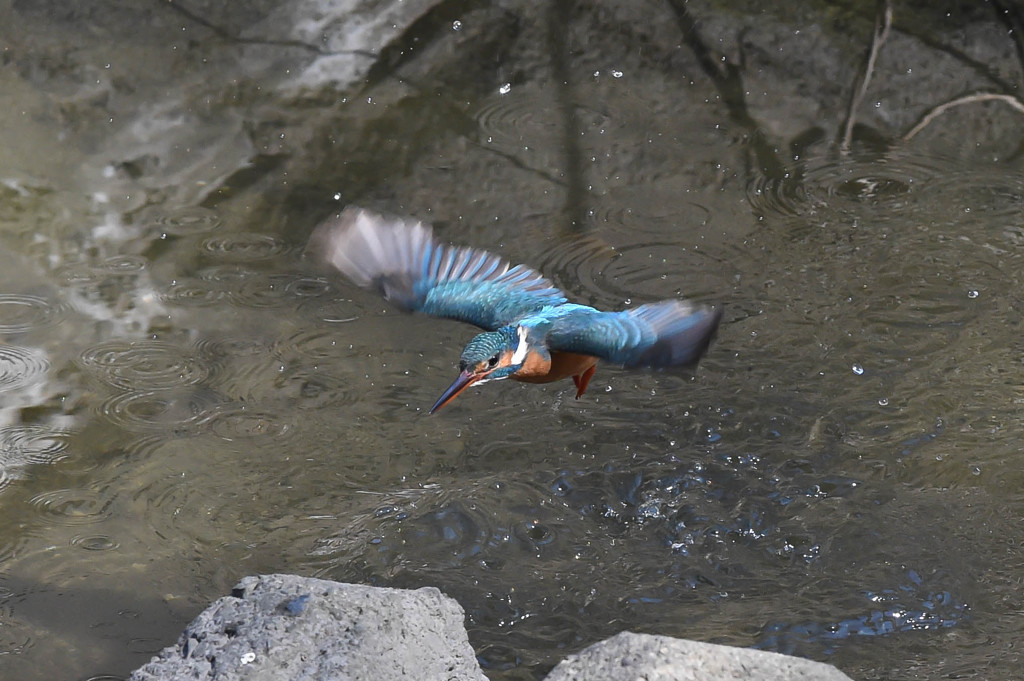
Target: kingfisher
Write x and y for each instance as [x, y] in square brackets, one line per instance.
[532, 333]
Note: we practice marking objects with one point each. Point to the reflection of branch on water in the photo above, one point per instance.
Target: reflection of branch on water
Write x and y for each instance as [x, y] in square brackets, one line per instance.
[559, 17]
[729, 84]
[883, 21]
[224, 34]
[934, 112]
[511, 158]
[1014, 19]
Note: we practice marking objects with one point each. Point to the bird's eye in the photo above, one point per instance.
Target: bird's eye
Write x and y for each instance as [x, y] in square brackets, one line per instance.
[493, 361]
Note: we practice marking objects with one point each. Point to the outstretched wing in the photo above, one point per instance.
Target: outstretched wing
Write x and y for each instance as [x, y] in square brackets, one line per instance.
[669, 333]
[401, 259]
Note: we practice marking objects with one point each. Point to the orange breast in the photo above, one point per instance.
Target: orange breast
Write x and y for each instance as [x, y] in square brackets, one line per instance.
[536, 369]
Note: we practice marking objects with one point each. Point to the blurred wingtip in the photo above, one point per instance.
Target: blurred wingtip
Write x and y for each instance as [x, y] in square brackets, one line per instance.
[365, 245]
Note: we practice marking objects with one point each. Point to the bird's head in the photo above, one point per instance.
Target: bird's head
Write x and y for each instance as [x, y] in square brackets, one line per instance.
[488, 357]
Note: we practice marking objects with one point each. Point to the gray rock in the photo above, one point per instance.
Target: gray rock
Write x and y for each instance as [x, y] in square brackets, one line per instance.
[631, 657]
[287, 627]
[276, 627]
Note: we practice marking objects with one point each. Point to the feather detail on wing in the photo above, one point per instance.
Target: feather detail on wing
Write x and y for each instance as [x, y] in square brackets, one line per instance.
[402, 260]
[668, 333]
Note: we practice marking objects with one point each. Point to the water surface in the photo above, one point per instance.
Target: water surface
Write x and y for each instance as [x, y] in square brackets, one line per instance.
[185, 400]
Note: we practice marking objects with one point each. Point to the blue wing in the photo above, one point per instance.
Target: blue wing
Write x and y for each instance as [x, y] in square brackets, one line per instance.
[669, 333]
[403, 262]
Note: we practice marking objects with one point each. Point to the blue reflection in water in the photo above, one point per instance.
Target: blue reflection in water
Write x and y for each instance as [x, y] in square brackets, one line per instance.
[908, 607]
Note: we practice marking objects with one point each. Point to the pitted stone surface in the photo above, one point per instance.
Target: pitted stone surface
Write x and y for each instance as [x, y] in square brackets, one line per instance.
[286, 627]
[632, 657]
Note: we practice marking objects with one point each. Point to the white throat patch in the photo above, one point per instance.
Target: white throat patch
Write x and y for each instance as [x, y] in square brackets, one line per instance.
[519, 356]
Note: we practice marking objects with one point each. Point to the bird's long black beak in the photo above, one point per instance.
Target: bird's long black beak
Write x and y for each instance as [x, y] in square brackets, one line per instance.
[465, 379]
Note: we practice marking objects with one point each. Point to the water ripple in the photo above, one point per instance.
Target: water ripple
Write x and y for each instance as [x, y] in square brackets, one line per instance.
[236, 422]
[121, 264]
[577, 263]
[908, 607]
[182, 412]
[86, 275]
[244, 365]
[78, 275]
[94, 542]
[274, 290]
[463, 530]
[986, 194]
[186, 221]
[72, 506]
[334, 311]
[244, 247]
[144, 364]
[229, 347]
[525, 119]
[316, 343]
[246, 288]
[26, 445]
[30, 444]
[20, 367]
[308, 388]
[654, 207]
[226, 277]
[192, 293]
[20, 313]
[828, 187]
[638, 269]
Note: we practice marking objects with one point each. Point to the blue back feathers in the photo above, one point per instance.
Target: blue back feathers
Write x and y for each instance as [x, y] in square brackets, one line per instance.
[668, 333]
[402, 260]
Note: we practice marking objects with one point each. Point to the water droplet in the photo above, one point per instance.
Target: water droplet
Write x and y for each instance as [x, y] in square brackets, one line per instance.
[616, 73]
[456, 25]
[883, 401]
[972, 294]
[505, 89]
[857, 369]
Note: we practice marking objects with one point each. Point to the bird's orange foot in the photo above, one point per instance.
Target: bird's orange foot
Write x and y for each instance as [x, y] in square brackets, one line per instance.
[581, 381]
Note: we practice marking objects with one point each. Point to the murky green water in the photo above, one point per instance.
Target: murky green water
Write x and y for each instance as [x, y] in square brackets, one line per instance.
[184, 400]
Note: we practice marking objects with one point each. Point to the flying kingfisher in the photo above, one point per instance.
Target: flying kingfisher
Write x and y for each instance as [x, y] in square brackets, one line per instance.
[531, 332]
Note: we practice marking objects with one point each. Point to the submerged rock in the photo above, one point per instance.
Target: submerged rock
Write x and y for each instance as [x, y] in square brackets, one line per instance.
[301, 629]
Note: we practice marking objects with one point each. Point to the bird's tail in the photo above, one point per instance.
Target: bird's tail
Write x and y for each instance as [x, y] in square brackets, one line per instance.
[683, 333]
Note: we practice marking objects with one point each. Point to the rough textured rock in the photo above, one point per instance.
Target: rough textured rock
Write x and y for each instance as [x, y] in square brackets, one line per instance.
[302, 629]
[286, 627]
[629, 657]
